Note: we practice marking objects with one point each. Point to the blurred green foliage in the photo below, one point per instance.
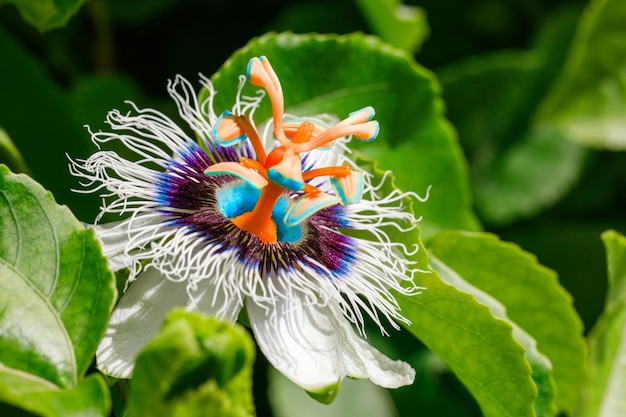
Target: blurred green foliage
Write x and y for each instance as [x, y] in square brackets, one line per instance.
[518, 79]
[203, 367]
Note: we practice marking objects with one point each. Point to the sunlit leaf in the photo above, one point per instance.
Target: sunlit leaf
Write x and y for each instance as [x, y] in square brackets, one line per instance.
[203, 367]
[531, 295]
[57, 290]
[588, 102]
[400, 25]
[478, 346]
[340, 74]
[603, 392]
[89, 398]
[540, 365]
[47, 14]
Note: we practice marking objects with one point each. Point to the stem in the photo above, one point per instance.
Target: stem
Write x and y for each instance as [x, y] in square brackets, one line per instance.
[103, 38]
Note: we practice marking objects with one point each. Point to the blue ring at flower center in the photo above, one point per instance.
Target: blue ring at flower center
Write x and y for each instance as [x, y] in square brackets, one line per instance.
[239, 197]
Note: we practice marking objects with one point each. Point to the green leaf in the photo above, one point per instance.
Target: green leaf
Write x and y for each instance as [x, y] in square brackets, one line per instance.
[400, 25]
[531, 295]
[203, 367]
[588, 101]
[340, 74]
[89, 398]
[603, 392]
[541, 366]
[10, 155]
[57, 290]
[477, 346]
[491, 100]
[615, 245]
[47, 14]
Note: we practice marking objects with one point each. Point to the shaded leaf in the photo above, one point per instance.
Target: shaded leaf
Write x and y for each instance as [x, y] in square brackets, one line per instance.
[38, 116]
[93, 97]
[58, 291]
[312, 17]
[491, 100]
[47, 14]
[136, 12]
[10, 155]
[400, 25]
[588, 101]
[533, 174]
[340, 74]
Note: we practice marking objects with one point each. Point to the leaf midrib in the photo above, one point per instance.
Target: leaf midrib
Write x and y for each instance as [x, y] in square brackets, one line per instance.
[44, 297]
[56, 316]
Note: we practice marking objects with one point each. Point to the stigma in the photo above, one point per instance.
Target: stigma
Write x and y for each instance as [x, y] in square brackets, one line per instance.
[274, 194]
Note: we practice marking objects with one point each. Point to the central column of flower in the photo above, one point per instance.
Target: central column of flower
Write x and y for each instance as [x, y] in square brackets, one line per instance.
[281, 171]
[259, 221]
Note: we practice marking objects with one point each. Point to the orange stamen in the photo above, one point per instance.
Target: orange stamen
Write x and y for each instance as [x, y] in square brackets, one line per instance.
[338, 171]
[312, 190]
[262, 74]
[253, 137]
[253, 164]
[290, 128]
[275, 156]
[337, 131]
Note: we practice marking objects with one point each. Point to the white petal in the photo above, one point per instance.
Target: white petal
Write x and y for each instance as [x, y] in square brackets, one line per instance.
[113, 240]
[139, 314]
[315, 346]
[115, 236]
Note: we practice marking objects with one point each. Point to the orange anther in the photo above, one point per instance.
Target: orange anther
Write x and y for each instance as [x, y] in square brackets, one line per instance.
[275, 156]
[246, 126]
[312, 190]
[304, 132]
